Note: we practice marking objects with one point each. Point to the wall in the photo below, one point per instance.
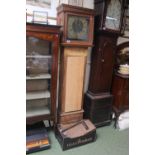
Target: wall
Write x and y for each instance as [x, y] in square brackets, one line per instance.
[52, 13]
[86, 3]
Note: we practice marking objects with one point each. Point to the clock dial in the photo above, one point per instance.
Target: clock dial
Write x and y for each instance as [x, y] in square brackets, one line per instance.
[113, 16]
[78, 28]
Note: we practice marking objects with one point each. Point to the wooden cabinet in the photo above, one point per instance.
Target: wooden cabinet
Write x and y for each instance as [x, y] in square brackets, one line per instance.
[120, 90]
[42, 42]
[120, 84]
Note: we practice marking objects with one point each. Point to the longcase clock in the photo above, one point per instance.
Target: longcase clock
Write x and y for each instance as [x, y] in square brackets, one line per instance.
[98, 99]
[77, 36]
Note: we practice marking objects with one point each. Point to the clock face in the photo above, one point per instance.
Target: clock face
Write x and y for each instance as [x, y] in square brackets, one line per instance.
[78, 28]
[113, 16]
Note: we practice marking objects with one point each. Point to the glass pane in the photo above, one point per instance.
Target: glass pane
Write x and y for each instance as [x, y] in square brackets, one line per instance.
[37, 46]
[38, 56]
[113, 15]
[38, 65]
[38, 76]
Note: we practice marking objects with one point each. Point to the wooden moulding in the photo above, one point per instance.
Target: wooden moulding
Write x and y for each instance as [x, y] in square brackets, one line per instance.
[70, 117]
[75, 9]
[30, 27]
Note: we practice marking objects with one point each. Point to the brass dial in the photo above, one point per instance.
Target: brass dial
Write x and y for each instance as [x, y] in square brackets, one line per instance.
[78, 28]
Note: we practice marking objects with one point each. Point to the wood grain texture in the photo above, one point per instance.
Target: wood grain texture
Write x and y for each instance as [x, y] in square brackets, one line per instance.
[103, 55]
[120, 90]
[98, 108]
[73, 79]
[75, 67]
[70, 117]
[120, 84]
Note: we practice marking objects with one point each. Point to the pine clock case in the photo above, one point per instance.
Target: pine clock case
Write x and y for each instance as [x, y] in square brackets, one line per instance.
[73, 62]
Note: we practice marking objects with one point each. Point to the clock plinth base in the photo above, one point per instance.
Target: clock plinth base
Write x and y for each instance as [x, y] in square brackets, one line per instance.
[98, 108]
[70, 117]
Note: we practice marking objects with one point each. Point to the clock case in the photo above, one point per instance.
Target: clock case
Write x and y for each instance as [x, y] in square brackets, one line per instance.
[77, 50]
[101, 7]
[63, 12]
[98, 99]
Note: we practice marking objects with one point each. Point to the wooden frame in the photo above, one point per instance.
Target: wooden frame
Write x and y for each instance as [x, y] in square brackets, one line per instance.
[66, 10]
[101, 21]
[51, 34]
